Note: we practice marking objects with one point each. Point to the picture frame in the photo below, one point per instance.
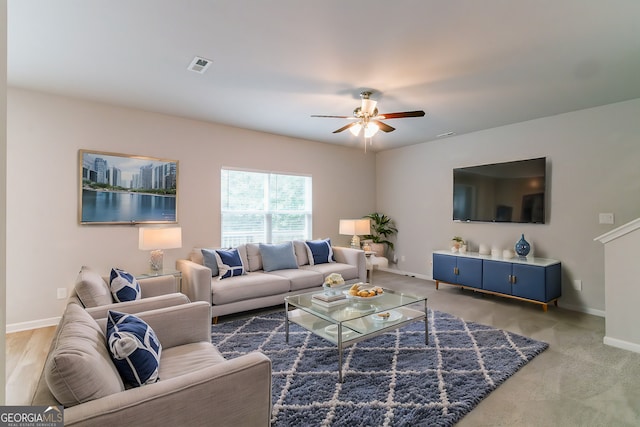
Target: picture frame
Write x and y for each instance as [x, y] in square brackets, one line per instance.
[117, 188]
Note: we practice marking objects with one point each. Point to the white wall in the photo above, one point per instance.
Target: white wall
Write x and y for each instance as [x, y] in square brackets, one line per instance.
[47, 246]
[594, 167]
[3, 190]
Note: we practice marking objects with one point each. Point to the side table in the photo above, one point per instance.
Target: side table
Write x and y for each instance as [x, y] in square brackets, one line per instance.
[175, 273]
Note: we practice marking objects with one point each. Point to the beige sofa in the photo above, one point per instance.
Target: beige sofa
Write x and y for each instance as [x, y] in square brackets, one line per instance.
[197, 386]
[258, 288]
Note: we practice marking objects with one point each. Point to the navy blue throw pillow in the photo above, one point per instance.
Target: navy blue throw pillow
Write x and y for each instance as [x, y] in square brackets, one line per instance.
[229, 263]
[319, 251]
[124, 287]
[134, 348]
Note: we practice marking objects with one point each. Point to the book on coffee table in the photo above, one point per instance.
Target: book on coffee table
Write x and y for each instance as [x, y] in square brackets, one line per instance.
[329, 304]
[328, 298]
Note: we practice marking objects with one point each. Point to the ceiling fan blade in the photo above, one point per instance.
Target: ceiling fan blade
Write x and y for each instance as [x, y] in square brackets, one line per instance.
[345, 127]
[383, 126]
[418, 113]
[333, 117]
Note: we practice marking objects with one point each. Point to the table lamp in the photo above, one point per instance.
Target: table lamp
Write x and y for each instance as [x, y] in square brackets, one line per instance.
[355, 227]
[157, 239]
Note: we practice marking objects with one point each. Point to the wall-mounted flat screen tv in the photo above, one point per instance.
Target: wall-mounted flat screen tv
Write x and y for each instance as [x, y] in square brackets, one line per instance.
[501, 192]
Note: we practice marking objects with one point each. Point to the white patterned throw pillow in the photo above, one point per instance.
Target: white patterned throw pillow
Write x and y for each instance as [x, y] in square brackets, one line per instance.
[124, 287]
[134, 348]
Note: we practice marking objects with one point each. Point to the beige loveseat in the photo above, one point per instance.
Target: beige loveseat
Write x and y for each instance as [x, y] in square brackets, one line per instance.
[258, 288]
[196, 386]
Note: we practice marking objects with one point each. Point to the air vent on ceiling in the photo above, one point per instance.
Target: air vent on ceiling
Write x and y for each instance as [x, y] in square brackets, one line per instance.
[199, 65]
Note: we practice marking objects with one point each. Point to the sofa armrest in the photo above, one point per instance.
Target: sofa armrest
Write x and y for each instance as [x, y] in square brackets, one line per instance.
[152, 286]
[196, 280]
[354, 257]
[236, 392]
[137, 306]
[177, 325]
[158, 285]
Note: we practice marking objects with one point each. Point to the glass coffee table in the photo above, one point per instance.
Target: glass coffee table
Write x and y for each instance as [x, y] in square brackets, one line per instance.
[356, 319]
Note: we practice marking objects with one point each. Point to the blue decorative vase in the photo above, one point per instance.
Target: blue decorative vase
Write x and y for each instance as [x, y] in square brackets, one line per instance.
[522, 247]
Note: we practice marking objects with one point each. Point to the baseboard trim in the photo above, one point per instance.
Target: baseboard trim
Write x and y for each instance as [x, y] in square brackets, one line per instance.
[403, 273]
[580, 309]
[33, 324]
[625, 345]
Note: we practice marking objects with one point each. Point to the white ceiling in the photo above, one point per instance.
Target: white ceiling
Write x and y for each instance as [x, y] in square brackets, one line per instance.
[469, 64]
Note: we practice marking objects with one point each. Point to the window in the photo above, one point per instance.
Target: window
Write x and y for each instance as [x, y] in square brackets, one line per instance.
[264, 207]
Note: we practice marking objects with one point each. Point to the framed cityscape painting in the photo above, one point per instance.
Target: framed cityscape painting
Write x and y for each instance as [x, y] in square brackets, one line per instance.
[125, 189]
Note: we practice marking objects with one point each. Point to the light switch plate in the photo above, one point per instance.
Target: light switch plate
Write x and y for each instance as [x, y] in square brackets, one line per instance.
[606, 218]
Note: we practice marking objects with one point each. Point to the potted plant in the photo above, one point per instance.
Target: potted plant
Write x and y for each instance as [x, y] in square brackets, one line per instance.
[382, 228]
[457, 243]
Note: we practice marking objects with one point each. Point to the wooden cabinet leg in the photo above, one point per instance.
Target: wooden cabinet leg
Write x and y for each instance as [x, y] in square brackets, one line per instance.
[437, 283]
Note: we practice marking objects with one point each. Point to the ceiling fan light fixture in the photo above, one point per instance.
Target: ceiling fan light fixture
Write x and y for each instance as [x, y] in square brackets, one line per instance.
[369, 106]
[370, 130]
[366, 116]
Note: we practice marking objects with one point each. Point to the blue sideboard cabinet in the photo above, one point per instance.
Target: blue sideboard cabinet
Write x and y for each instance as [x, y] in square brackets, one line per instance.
[536, 280]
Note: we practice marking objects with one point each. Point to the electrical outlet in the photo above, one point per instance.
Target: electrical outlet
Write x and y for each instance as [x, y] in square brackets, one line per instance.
[402, 258]
[577, 285]
[62, 293]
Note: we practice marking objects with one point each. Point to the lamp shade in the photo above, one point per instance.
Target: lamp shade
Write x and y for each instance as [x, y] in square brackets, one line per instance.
[370, 130]
[355, 227]
[355, 129]
[159, 238]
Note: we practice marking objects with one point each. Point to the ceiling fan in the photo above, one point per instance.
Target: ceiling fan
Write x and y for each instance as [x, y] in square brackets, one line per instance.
[367, 117]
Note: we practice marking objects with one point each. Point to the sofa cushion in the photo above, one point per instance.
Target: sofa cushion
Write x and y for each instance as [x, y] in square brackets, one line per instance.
[319, 251]
[124, 287]
[347, 271]
[196, 255]
[78, 368]
[134, 348]
[91, 289]
[209, 260]
[300, 248]
[187, 358]
[278, 257]
[254, 259]
[229, 263]
[242, 250]
[250, 285]
[300, 278]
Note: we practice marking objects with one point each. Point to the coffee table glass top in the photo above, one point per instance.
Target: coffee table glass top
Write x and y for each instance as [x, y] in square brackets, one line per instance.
[359, 315]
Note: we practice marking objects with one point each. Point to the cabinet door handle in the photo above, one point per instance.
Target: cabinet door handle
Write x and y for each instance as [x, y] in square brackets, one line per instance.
[513, 280]
[456, 271]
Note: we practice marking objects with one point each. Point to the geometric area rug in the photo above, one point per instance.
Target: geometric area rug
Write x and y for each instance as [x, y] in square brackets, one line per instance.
[389, 380]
